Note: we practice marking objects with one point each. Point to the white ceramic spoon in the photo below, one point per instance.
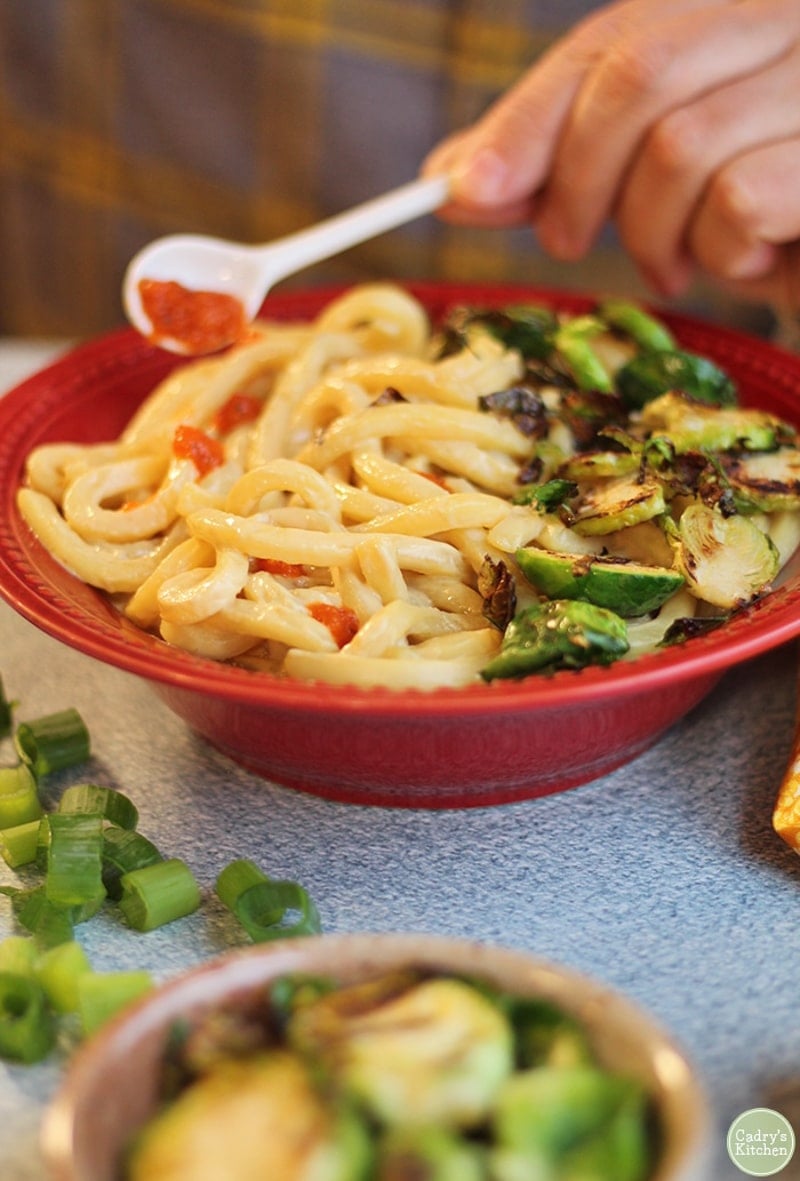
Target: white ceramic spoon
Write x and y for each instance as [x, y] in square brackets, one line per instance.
[204, 264]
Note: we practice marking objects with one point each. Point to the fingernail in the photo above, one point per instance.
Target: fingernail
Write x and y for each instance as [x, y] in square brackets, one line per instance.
[480, 177]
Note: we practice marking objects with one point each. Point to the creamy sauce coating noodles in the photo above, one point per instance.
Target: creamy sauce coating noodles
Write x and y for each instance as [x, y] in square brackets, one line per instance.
[318, 517]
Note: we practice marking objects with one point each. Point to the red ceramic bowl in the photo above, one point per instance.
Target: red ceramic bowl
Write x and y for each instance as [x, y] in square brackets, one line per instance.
[487, 744]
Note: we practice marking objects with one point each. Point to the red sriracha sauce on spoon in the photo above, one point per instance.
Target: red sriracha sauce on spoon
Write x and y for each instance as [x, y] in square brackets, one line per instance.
[199, 321]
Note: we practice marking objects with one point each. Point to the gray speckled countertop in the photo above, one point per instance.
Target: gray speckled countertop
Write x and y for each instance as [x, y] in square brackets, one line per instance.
[664, 878]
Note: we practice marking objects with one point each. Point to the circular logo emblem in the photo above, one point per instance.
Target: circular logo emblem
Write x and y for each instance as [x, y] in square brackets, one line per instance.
[761, 1142]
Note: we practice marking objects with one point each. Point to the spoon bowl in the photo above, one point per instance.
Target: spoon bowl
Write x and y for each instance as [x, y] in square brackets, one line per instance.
[220, 273]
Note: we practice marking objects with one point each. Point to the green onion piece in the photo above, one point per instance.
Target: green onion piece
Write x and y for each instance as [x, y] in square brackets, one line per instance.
[19, 798]
[53, 742]
[239, 877]
[74, 862]
[113, 805]
[27, 1030]
[59, 970]
[18, 845]
[48, 923]
[124, 851]
[5, 712]
[17, 955]
[101, 995]
[158, 894]
[261, 903]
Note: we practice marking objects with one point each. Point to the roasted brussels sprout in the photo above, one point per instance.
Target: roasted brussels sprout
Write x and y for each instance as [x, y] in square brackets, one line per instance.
[626, 587]
[653, 372]
[770, 481]
[558, 634]
[727, 561]
[253, 1118]
[434, 1053]
[617, 503]
[692, 426]
[573, 1122]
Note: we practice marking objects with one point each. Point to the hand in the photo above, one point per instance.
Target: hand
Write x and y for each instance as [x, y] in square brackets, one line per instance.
[679, 121]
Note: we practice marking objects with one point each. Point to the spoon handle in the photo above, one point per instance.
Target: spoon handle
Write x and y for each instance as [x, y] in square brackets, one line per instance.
[296, 251]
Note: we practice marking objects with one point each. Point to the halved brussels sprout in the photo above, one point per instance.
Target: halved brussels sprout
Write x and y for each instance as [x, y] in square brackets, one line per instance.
[616, 504]
[770, 481]
[559, 634]
[253, 1118]
[652, 373]
[434, 1053]
[692, 426]
[727, 561]
[628, 588]
[597, 465]
[571, 1122]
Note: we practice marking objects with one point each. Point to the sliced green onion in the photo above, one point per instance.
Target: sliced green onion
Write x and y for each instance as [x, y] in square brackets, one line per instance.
[124, 851]
[27, 1030]
[158, 894]
[74, 859]
[48, 923]
[261, 904]
[19, 797]
[59, 970]
[113, 805]
[18, 845]
[17, 955]
[5, 712]
[239, 877]
[53, 742]
[101, 995]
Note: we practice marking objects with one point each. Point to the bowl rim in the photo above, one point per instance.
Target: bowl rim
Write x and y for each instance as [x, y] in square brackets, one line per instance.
[28, 585]
[676, 1086]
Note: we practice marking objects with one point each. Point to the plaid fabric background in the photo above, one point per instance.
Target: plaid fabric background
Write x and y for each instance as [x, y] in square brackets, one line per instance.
[121, 120]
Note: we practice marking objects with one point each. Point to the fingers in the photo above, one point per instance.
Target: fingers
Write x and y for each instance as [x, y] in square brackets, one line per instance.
[690, 166]
[503, 160]
[749, 215]
[658, 68]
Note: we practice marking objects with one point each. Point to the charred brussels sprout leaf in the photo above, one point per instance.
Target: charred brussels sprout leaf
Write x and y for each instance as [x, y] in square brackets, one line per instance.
[560, 634]
[652, 373]
[498, 590]
[547, 496]
[682, 630]
[529, 329]
[524, 406]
